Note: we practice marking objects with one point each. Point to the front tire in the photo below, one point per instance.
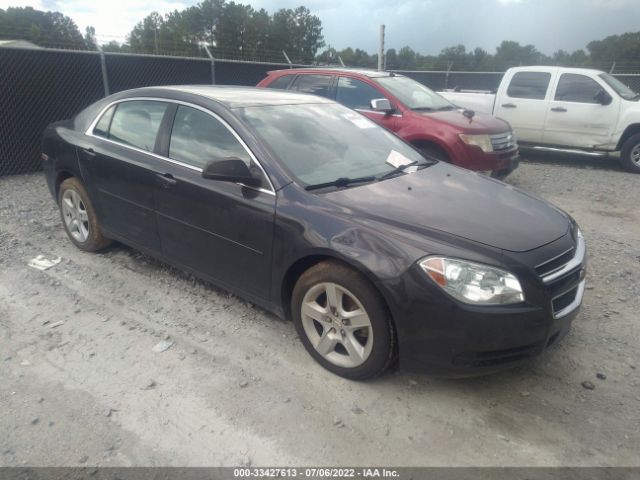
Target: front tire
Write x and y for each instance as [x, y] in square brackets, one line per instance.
[630, 154]
[342, 321]
[79, 217]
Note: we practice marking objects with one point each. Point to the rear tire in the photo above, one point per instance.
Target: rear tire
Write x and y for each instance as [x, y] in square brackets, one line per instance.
[342, 321]
[630, 154]
[79, 217]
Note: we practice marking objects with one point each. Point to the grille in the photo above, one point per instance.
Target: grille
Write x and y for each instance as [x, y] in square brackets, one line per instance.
[502, 141]
[564, 277]
[556, 263]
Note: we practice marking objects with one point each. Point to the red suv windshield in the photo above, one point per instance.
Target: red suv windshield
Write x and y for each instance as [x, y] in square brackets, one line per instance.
[413, 94]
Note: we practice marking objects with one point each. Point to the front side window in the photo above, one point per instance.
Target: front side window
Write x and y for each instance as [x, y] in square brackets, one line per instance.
[102, 127]
[137, 122]
[577, 88]
[320, 143]
[281, 83]
[413, 94]
[355, 93]
[198, 138]
[531, 85]
[314, 84]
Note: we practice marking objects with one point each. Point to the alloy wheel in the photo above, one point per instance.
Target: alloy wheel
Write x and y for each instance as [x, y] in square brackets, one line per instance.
[337, 325]
[75, 215]
[635, 155]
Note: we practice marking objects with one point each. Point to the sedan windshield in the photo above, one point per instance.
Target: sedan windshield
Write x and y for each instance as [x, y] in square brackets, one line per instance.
[413, 94]
[328, 145]
[620, 88]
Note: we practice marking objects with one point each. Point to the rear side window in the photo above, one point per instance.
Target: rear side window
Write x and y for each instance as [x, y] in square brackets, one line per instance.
[314, 84]
[136, 123]
[531, 85]
[577, 88]
[355, 93]
[281, 83]
[198, 138]
[102, 127]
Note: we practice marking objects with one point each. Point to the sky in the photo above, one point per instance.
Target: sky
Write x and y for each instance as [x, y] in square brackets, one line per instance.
[427, 26]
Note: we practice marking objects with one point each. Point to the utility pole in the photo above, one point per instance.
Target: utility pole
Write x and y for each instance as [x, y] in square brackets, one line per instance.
[381, 49]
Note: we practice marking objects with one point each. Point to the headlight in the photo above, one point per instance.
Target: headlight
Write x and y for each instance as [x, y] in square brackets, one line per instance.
[481, 141]
[472, 282]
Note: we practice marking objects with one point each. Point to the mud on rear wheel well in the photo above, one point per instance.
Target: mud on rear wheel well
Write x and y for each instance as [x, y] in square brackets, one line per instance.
[61, 177]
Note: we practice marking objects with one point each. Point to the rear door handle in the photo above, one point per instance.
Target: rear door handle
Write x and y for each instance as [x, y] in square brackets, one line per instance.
[509, 105]
[558, 109]
[89, 151]
[166, 179]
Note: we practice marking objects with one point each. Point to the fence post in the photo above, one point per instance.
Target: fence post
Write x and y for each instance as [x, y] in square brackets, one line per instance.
[446, 78]
[213, 65]
[103, 67]
[287, 58]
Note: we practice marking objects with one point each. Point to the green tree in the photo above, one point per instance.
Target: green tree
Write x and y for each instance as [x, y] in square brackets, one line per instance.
[146, 35]
[623, 49]
[47, 29]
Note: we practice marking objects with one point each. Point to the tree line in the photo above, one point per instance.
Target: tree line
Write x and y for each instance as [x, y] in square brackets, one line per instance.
[235, 30]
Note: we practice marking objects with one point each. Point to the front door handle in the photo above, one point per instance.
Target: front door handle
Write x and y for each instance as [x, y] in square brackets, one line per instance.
[89, 151]
[558, 109]
[166, 179]
[509, 105]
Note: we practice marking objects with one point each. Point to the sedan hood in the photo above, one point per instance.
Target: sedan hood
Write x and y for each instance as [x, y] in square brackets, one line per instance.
[459, 202]
[480, 123]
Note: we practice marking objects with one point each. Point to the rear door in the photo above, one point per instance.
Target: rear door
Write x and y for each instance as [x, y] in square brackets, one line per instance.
[576, 117]
[118, 159]
[221, 229]
[356, 94]
[525, 102]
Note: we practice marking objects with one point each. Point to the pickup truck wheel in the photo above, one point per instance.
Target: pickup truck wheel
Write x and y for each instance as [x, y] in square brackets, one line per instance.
[630, 154]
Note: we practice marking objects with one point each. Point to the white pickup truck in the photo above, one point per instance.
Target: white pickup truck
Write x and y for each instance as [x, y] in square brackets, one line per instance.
[564, 108]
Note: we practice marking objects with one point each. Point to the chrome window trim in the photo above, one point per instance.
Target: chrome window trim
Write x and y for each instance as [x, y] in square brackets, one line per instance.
[576, 261]
[89, 132]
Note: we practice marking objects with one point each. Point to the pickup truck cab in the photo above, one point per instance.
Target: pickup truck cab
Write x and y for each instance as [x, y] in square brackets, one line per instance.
[566, 108]
[412, 111]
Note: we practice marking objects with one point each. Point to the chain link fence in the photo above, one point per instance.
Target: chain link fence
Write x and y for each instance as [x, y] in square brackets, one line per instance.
[40, 86]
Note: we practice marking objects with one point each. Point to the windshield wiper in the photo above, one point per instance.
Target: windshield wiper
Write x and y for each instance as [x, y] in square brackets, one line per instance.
[402, 168]
[341, 182]
[425, 109]
[447, 108]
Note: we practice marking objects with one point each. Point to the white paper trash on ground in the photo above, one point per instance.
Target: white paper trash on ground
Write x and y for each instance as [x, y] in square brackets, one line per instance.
[43, 263]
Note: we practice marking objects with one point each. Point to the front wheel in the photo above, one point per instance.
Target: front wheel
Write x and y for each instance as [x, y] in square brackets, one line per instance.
[630, 154]
[342, 321]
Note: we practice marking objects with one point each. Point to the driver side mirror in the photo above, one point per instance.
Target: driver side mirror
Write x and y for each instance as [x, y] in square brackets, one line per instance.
[230, 169]
[603, 98]
[382, 105]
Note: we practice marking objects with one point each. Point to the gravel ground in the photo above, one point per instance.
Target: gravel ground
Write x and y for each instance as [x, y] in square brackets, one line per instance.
[236, 387]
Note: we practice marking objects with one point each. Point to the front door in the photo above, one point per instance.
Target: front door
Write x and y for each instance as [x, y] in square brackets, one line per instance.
[118, 157]
[577, 116]
[357, 94]
[221, 229]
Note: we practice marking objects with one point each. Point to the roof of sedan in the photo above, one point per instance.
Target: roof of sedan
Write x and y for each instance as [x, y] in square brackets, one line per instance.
[356, 71]
[238, 97]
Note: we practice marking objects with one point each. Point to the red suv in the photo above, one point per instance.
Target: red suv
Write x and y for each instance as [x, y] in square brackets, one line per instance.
[414, 112]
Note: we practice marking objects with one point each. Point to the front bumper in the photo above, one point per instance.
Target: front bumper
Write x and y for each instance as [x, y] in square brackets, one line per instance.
[441, 336]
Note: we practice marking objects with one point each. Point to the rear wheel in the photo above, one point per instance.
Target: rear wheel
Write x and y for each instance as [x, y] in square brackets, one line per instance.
[342, 321]
[79, 217]
[630, 154]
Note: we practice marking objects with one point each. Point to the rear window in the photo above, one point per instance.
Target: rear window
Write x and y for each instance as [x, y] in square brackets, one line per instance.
[136, 123]
[281, 83]
[314, 84]
[532, 85]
